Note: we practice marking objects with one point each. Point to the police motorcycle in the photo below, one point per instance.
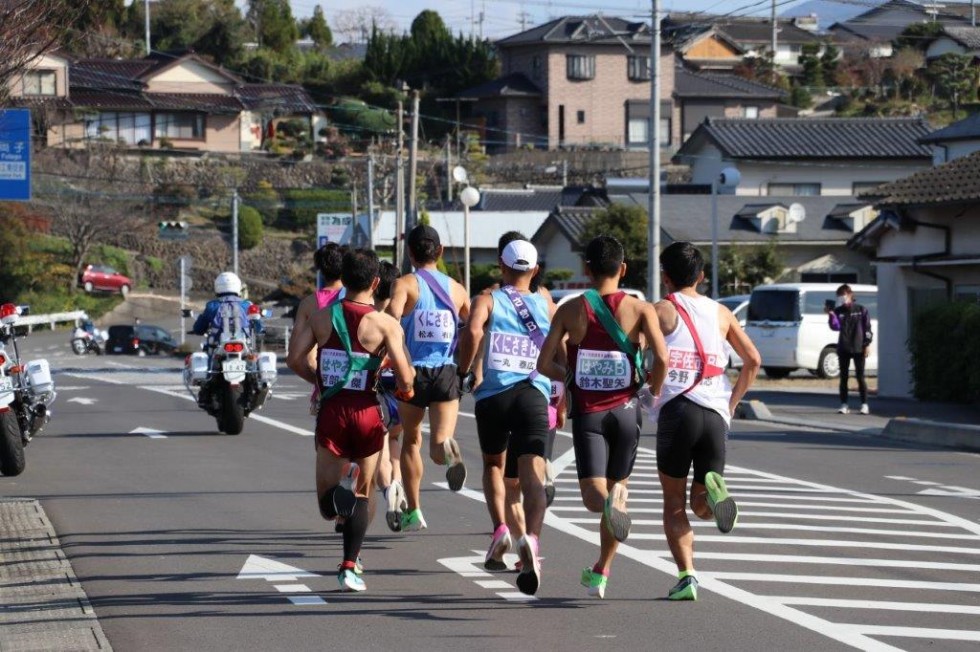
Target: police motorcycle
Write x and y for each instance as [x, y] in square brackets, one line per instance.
[231, 378]
[87, 338]
[26, 393]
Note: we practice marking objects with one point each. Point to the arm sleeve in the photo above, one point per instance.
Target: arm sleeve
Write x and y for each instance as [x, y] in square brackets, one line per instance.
[203, 321]
[866, 323]
[833, 321]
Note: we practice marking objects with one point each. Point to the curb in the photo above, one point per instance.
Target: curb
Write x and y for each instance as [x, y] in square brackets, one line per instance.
[756, 410]
[937, 433]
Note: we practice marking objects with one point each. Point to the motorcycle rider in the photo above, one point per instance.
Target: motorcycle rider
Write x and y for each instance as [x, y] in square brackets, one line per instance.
[228, 289]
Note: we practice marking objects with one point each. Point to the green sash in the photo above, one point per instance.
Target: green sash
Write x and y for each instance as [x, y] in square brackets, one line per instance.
[616, 332]
[355, 364]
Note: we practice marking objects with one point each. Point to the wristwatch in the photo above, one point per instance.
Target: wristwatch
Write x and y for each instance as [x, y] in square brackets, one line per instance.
[466, 381]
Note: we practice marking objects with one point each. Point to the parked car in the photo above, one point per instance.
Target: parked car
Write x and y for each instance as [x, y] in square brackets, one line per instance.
[788, 325]
[140, 340]
[106, 279]
[563, 296]
[739, 305]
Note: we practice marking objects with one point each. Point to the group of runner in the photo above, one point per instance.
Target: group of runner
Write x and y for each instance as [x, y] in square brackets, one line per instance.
[380, 350]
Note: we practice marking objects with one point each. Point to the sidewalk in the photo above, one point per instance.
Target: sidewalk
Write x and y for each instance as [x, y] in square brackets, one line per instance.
[907, 419]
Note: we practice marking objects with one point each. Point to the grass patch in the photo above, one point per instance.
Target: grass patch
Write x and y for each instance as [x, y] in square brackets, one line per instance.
[49, 301]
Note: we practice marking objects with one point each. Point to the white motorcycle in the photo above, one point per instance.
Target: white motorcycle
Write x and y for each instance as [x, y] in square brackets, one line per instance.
[26, 393]
[230, 378]
[83, 341]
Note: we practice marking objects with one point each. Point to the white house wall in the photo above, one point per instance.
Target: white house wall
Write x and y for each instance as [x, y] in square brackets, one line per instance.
[189, 77]
[946, 152]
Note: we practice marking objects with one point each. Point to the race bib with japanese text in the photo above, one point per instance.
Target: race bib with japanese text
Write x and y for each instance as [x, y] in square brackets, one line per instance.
[510, 352]
[438, 326]
[602, 371]
[684, 365]
[334, 365]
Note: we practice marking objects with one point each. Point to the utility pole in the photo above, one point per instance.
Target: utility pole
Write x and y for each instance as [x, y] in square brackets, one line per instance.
[399, 193]
[411, 215]
[564, 173]
[449, 169]
[234, 231]
[183, 296]
[524, 16]
[973, 13]
[653, 208]
[483, 15]
[146, 10]
[774, 31]
[370, 194]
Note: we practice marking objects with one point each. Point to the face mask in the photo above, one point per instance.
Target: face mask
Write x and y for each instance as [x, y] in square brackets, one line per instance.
[841, 301]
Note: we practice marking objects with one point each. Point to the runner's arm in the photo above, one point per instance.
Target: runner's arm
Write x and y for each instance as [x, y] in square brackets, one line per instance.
[654, 337]
[303, 312]
[472, 336]
[751, 360]
[401, 362]
[399, 297]
[553, 346]
[462, 301]
[301, 342]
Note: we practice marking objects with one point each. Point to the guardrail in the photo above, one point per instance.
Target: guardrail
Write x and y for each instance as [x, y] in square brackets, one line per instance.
[51, 319]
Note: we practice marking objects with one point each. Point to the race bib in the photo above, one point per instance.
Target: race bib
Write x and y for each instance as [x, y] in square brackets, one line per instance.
[437, 326]
[684, 365]
[557, 391]
[510, 352]
[334, 365]
[602, 371]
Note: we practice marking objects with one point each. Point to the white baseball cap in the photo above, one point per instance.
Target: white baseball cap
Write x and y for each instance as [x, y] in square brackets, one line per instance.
[520, 255]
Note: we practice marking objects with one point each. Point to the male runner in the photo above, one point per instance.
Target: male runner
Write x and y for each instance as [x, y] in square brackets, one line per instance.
[695, 407]
[606, 329]
[512, 400]
[351, 339]
[429, 305]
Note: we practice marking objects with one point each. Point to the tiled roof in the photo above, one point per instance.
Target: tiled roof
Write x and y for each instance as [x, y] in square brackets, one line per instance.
[287, 97]
[110, 73]
[965, 35]
[760, 31]
[583, 30]
[954, 182]
[689, 84]
[966, 129]
[887, 21]
[204, 102]
[40, 102]
[84, 98]
[823, 138]
[513, 85]
[571, 222]
[844, 210]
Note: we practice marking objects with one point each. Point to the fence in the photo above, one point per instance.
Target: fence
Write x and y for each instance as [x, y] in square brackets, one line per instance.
[54, 318]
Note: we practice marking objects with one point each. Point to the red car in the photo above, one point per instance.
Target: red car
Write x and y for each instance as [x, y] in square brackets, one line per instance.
[100, 277]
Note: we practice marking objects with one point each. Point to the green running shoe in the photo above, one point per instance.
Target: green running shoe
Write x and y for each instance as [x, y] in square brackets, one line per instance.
[723, 505]
[686, 589]
[413, 521]
[594, 582]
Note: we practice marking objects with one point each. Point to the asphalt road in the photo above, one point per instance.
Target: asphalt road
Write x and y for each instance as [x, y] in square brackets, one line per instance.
[843, 542]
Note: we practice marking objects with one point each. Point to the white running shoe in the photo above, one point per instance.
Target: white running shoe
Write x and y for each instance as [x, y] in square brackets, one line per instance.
[349, 581]
[843, 409]
[865, 409]
[530, 578]
[394, 497]
[499, 545]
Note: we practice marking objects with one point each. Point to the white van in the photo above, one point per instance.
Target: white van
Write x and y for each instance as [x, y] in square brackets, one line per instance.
[788, 325]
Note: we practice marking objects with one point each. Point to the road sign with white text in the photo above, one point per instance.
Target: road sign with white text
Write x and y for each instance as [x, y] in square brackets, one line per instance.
[15, 154]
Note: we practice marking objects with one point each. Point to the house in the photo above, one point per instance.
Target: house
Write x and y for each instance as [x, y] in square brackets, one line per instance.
[814, 250]
[575, 81]
[42, 88]
[957, 140]
[926, 244]
[875, 30]
[955, 39]
[722, 43]
[182, 101]
[700, 95]
[803, 157]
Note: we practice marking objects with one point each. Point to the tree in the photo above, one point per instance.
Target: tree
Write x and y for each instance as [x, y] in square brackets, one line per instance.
[742, 268]
[29, 28]
[628, 224]
[956, 78]
[274, 25]
[356, 25]
[918, 36]
[249, 228]
[904, 66]
[317, 29]
[800, 97]
[829, 63]
[810, 61]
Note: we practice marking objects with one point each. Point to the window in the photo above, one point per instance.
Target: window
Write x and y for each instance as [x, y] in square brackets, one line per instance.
[536, 66]
[969, 293]
[188, 126]
[774, 305]
[580, 117]
[580, 67]
[126, 128]
[665, 132]
[40, 82]
[638, 68]
[639, 133]
[794, 189]
[813, 301]
[859, 187]
[751, 112]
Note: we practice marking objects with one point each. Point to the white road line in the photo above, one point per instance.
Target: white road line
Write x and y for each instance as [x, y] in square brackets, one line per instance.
[914, 632]
[848, 581]
[926, 483]
[305, 600]
[925, 607]
[898, 477]
[857, 562]
[293, 588]
[493, 584]
[829, 543]
[516, 596]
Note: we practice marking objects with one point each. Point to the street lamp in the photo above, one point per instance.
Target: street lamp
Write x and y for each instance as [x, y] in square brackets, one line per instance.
[469, 197]
[727, 180]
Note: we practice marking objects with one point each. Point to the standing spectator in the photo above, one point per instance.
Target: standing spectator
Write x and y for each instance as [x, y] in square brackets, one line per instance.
[854, 324]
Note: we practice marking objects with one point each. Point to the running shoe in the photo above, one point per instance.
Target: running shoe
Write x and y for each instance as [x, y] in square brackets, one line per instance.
[723, 505]
[530, 578]
[865, 409]
[594, 582]
[413, 521]
[499, 545]
[685, 589]
[344, 499]
[394, 497]
[358, 567]
[617, 520]
[843, 409]
[349, 581]
[456, 473]
[549, 483]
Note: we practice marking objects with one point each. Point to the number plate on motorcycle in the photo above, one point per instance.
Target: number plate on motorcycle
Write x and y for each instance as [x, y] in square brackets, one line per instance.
[6, 384]
[233, 366]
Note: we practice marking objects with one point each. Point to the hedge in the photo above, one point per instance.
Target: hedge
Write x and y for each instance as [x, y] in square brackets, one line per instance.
[302, 206]
[946, 353]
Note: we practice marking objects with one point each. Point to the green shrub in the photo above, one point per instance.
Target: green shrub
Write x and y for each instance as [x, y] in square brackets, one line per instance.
[946, 353]
[302, 206]
[50, 300]
[249, 228]
[114, 257]
[265, 200]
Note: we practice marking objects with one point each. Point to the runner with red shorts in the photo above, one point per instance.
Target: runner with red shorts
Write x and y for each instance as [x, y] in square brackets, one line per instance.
[351, 338]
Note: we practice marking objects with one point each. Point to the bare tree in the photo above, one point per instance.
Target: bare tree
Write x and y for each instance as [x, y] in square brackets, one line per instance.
[355, 25]
[28, 29]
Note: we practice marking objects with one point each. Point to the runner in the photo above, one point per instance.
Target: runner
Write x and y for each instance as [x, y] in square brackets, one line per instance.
[512, 401]
[351, 340]
[606, 329]
[695, 408]
[429, 305]
[389, 477]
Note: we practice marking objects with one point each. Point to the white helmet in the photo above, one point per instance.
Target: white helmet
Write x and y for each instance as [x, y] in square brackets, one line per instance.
[227, 283]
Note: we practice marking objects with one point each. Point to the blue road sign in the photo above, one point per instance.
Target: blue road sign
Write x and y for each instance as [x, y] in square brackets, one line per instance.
[15, 154]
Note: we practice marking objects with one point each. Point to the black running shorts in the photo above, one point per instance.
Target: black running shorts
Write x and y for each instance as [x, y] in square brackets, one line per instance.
[606, 442]
[435, 385]
[686, 433]
[510, 464]
[515, 419]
